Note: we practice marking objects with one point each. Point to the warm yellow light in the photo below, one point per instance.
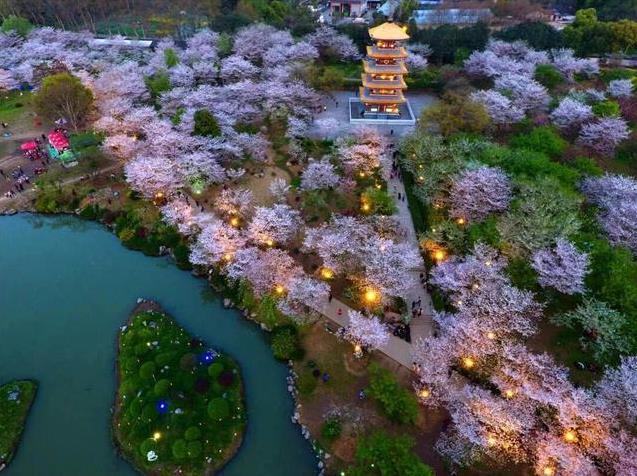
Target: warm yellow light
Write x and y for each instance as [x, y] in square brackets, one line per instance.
[371, 295]
[491, 441]
[234, 221]
[327, 273]
[570, 436]
[279, 289]
[358, 349]
[156, 436]
[269, 242]
[548, 471]
[460, 221]
[424, 393]
[361, 174]
[439, 255]
[491, 335]
[509, 393]
[475, 286]
[365, 207]
[227, 257]
[378, 186]
[468, 363]
[488, 263]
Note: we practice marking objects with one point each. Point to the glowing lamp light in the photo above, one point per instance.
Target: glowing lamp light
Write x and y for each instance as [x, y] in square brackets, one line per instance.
[490, 335]
[439, 255]
[279, 289]
[365, 207]
[371, 296]
[361, 174]
[548, 471]
[156, 436]
[570, 436]
[358, 350]
[468, 363]
[227, 257]
[234, 221]
[491, 441]
[460, 221]
[509, 393]
[327, 273]
[488, 263]
[424, 393]
[269, 242]
[475, 286]
[162, 407]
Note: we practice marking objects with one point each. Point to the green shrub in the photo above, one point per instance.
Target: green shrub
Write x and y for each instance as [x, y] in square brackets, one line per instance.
[399, 404]
[179, 449]
[147, 370]
[218, 409]
[544, 139]
[205, 124]
[331, 429]
[161, 387]
[192, 433]
[193, 449]
[548, 75]
[215, 369]
[613, 74]
[608, 108]
[285, 343]
[170, 57]
[157, 84]
[379, 200]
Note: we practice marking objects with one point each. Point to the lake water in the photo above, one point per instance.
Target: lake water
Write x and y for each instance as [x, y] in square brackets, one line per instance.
[66, 286]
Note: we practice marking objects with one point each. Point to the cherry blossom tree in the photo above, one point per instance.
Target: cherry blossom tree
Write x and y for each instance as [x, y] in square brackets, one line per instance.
[266, 270]
[333, 45]
[234, 201]
[616, 196]
[151, 175]
[254, 40]
[527, 94]
[305, 293]
[604, 135]
[359, 158]
[7, 81]
[566, 62]
[563, 267]
[367, 332]
[388, 264]
[319, 174]
[180, 214]
[121, 146]
[218, 243]
[477, 193]
[499, 107]
[327, 125]
[202, 47]
[279, 188]
[274, 225]
[235, 68]
[571, 113]
[620, 88]
[618, 390]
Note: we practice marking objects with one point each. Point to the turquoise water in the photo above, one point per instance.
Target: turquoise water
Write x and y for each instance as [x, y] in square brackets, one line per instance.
[65, 287]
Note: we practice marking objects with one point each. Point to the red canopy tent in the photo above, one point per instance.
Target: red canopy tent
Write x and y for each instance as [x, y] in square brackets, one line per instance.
[28, 146]
[58, 140]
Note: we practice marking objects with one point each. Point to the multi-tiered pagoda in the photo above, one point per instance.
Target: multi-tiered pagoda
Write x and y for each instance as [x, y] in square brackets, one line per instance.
[384, 68]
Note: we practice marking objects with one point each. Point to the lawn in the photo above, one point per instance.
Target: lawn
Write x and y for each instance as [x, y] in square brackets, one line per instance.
[179, 406]
[13, 105]
[16, 398]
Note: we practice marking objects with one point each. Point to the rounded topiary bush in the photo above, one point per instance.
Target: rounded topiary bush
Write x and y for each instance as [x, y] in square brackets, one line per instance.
[147, 370]
[192, 433]
[179, 449]
[146, 446]
[218, 409]
[193, 449]
[161, 387]
[215, 369]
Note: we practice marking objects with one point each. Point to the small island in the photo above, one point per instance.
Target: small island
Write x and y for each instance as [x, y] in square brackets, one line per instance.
[16, 398]
[179, 406]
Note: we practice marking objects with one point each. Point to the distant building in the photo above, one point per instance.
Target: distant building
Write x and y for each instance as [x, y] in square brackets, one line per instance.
[452, 16]
[349, 8]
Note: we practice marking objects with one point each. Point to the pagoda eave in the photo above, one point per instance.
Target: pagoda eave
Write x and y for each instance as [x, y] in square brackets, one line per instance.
[384, 69]
[367, 98]
[368, 82]
[385, 53]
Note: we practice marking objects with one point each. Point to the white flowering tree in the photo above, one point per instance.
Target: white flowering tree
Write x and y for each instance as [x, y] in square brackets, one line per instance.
[218, 243]
[332, 44]
[274, 225]
[604, 135]
[563, 267]
[319, 174]
[279, 188]
[365, 332]
[571, 113]
[620, 88]
[234, 201]
[477, 193]
[499, 107]
[151, 175]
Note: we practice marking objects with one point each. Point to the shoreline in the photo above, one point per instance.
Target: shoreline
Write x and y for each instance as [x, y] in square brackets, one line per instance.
[16, 444]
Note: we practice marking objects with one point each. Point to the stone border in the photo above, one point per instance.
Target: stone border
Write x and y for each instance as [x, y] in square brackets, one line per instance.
[395, 122]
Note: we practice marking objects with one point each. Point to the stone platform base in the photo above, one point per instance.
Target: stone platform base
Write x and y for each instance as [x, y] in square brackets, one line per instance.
[356, 116]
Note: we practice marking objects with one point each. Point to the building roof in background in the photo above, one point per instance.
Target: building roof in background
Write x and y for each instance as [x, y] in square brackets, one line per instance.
[118, 41]
[454, 16]
[388, 31]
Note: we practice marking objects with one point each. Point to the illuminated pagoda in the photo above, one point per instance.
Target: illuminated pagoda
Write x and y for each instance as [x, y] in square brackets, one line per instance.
[383, 69]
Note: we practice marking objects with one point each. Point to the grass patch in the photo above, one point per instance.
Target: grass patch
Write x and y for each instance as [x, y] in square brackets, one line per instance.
[13, 105]
[179, 403]
[16, 398]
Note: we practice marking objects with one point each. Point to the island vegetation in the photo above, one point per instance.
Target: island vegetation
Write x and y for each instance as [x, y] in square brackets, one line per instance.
[179, 406]
[16, 398]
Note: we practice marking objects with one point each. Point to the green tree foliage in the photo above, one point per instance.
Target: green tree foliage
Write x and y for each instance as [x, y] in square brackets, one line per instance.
[588, 36]
[20, 25]
[331, 429]
[603, 329]
[612, 9]
[398, 403]
[544, 139]
[537, 34]
[285, 343]
[380, 201]
[446, 40]
[382, 455]
[170, 58]
[607, 108]
[157, 84]
[13, 414]
[218, 409]
[63, 95]
[548, 75]
[544, 211]
[455, 114]
[206, 124]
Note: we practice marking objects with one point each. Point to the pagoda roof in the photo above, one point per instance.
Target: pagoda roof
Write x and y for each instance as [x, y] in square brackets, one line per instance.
[388, 31]
[368, 82]
[376, 52]
[367, 97]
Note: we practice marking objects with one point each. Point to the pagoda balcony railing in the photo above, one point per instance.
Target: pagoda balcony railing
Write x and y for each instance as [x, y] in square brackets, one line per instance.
[376, 52]
[367, 96]
[370, 82]
[371, 67]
